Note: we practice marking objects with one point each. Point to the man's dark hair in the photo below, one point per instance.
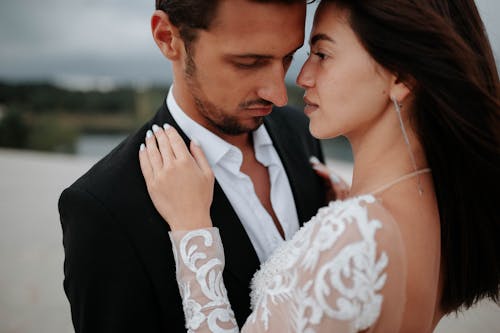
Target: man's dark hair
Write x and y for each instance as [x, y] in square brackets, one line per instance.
[192, 15]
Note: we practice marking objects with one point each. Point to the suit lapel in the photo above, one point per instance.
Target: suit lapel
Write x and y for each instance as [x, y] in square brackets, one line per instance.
[241, 258]
[294, 162]
[150, 237]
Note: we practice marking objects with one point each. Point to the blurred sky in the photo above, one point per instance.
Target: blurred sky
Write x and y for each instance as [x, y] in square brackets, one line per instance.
[100, 43]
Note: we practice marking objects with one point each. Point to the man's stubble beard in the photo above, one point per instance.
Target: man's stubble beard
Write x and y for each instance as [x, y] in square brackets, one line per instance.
[214, 115]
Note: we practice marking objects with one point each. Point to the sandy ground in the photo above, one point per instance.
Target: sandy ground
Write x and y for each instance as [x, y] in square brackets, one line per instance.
[31, 255]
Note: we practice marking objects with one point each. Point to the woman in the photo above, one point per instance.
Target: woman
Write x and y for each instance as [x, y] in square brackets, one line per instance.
[413, 86]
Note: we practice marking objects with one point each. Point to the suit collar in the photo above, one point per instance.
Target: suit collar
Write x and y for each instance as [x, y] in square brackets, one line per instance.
[241, 261]
[286, 145]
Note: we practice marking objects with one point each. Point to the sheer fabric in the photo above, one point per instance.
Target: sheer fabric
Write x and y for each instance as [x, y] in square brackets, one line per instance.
[343, 271]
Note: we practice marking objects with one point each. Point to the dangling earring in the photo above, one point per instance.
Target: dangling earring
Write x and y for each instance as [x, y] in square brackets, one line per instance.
[398, 106]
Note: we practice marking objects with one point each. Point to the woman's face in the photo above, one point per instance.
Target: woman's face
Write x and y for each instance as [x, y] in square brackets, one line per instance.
[346, 90]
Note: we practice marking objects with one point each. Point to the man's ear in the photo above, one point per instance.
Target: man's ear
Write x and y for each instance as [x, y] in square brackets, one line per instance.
[166, 35]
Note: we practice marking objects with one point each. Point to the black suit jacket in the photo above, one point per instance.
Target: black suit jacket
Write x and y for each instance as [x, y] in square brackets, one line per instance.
[119, 267]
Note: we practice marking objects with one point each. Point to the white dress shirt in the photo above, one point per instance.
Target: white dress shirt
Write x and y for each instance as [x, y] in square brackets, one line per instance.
[225, 160]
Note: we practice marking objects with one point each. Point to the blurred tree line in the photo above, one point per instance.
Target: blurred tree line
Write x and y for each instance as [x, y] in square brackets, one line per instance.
[43, 116]
[44, 97]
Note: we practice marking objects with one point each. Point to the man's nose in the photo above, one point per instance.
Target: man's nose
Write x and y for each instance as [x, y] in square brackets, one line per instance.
[273, 89]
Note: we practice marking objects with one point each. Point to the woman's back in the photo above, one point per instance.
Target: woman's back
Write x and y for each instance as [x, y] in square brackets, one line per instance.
[417, 217]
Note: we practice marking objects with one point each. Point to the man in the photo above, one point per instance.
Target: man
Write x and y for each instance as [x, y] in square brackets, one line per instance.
[229, 60]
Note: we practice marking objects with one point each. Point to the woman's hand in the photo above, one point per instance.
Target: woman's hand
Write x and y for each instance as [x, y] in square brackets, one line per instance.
[336, 187]
[179, 184]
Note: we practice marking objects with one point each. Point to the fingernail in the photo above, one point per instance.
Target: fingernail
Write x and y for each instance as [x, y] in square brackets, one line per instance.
[195, 141]
[142, 147]
[156, 128]
[149, 134]
[314, 160]
[334, 178]
[317, 167]
[166, 126]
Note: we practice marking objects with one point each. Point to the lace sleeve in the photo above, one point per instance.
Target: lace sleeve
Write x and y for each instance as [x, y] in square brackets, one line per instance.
[342, 272]
[199, 262]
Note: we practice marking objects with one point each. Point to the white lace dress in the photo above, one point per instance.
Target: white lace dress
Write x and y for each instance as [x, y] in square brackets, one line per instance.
[342, 272]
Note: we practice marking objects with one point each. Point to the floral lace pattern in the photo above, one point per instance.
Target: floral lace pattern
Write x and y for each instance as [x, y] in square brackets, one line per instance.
[329, 272]
[204, 274]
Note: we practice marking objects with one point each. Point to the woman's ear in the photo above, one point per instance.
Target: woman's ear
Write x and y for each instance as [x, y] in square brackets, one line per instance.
[401, 88]
[166, 35]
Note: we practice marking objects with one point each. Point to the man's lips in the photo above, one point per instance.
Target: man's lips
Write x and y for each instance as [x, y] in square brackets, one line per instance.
[260, 110]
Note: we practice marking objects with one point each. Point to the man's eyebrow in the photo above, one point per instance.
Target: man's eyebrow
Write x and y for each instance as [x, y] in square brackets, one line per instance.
[316, 38]
[257, 56]
[250, 56]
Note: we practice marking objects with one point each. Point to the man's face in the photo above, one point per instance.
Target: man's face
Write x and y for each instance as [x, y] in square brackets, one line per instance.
[235, 71]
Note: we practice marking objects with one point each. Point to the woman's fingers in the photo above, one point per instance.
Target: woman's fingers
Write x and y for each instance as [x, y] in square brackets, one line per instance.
[166, 147]
[334, 183]
[322, 171]
[163, 144]
[180, 185]
[200, 157]
[177, 144]
[153, 152]
[147, 170]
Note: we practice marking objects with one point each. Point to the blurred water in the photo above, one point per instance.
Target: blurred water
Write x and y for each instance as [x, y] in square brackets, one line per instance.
[97, 145]
[337, 149]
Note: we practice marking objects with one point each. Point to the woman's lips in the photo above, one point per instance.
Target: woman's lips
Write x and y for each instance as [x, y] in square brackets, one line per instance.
[310, 107]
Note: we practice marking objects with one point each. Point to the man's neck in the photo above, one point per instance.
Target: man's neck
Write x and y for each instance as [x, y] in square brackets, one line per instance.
[243, 141]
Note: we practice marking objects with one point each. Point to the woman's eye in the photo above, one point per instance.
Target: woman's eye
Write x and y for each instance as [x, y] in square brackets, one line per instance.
[320, 55]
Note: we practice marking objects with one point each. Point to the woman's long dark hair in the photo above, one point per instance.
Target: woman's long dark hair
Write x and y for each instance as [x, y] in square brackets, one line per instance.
[441, 47]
